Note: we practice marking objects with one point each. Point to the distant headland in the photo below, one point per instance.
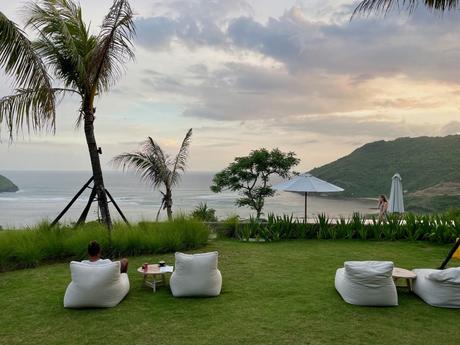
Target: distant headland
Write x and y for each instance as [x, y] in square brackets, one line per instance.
[7, 185]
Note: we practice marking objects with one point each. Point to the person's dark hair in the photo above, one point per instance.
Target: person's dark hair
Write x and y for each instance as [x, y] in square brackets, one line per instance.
[383, 197]
[94, 248]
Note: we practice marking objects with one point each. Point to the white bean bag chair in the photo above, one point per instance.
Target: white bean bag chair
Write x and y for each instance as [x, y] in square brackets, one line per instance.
[96, 286]
[196, 275]
[367, 283]
[439, 288]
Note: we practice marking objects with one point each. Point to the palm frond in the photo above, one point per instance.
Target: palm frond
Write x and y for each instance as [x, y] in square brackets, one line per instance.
[64, 40]
[21, 61]
[114, 45]
[159, 158]
[384, 6]
[29, 108]
[181, 158]
[152, 148]
[147, 167]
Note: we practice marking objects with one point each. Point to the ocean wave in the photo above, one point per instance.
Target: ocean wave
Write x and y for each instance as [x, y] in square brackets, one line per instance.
[41, 199]
[215, 196]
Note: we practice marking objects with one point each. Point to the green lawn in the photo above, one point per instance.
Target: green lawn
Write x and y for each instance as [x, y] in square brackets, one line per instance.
[276, 293]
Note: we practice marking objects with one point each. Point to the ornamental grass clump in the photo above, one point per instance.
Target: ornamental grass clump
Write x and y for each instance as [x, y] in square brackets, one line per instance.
[440, 228]
[32, 246]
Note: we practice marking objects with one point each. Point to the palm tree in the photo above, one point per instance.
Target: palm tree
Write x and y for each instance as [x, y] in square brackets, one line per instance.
[367, 6]
[84, 64]
[156, 167]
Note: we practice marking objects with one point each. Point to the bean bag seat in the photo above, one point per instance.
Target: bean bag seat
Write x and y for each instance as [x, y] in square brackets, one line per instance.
[196, 275]
[96, 286]
[367, 283]
[439, 288]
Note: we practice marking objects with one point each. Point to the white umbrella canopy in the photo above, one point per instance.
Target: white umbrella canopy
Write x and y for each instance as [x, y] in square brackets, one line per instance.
[307, 183]
[396, 202]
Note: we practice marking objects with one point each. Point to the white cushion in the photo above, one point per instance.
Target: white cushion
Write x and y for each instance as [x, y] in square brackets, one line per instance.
[367, 283]
[439, 288]
[447, 276]
[196, 275]
[99, 285]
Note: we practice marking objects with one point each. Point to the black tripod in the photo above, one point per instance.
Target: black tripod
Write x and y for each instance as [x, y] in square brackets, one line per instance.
[92, 198]
[451, 253]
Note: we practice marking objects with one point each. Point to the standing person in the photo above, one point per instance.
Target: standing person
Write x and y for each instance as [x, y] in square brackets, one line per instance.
[94, 254]
[383, 206]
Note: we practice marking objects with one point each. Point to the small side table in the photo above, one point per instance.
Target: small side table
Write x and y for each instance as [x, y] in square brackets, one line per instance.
[402, 273]
[155, 275]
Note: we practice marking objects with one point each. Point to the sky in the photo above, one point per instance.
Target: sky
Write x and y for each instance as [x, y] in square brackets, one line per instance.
[246, 74]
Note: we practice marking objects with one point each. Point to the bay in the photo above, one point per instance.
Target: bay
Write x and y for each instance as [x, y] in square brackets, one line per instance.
[43, 194]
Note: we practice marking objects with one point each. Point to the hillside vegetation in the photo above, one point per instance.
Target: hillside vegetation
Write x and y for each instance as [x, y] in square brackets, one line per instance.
[429, 166]
[6, 185]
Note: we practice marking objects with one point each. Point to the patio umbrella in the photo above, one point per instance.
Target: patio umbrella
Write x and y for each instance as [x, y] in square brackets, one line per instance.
[307, 183]
[396, 202]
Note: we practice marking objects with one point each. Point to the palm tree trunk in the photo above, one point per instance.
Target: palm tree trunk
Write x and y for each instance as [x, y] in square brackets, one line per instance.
[168, 203]
[169, 211]
[96, 167]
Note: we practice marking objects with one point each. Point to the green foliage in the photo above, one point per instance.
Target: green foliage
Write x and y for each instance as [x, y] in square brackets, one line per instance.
[423, 162]
[32, 246]
[340, 229]
[6, 185]
[204, 213]
[250, 176]
[440, 228]
[323, 226]
[376, 228]
[229, 227]
[356, 226]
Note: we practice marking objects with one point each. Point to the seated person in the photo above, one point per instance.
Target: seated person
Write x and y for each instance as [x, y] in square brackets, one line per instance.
[94, 254]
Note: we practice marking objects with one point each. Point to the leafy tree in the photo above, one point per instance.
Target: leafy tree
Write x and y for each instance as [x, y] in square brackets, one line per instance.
[156, 167]
[367, 6]
[250, 176]
[84, 65]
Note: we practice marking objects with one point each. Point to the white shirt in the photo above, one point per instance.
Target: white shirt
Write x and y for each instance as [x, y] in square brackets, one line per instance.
[97, 262]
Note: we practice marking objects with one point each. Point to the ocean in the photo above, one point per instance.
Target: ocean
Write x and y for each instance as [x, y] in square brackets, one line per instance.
[43, 194]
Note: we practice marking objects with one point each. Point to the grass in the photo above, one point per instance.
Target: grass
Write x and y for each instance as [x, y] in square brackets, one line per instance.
[34, 246]
[273, 293]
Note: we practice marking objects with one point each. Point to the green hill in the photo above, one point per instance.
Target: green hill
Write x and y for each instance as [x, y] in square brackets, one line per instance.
[429, 166]
[6, 185]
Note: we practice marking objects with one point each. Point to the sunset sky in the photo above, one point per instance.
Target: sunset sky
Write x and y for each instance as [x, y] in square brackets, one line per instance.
[297, 75]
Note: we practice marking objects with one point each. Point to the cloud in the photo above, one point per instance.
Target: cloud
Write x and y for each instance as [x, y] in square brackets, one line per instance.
[302, 78]
[155, 32]
[238, 91]
[375, 126]
[420, 46]
[192, 22]
[302, 66]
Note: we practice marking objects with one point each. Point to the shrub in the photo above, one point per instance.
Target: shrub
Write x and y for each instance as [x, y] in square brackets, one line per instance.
[442, 228]
[204, 213]
[32, 246]
[341, 228]
[392, 229]
[229, 227]
[323, 223]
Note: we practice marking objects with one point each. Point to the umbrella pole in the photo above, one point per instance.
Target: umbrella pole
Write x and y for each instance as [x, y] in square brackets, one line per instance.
[305, 217]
